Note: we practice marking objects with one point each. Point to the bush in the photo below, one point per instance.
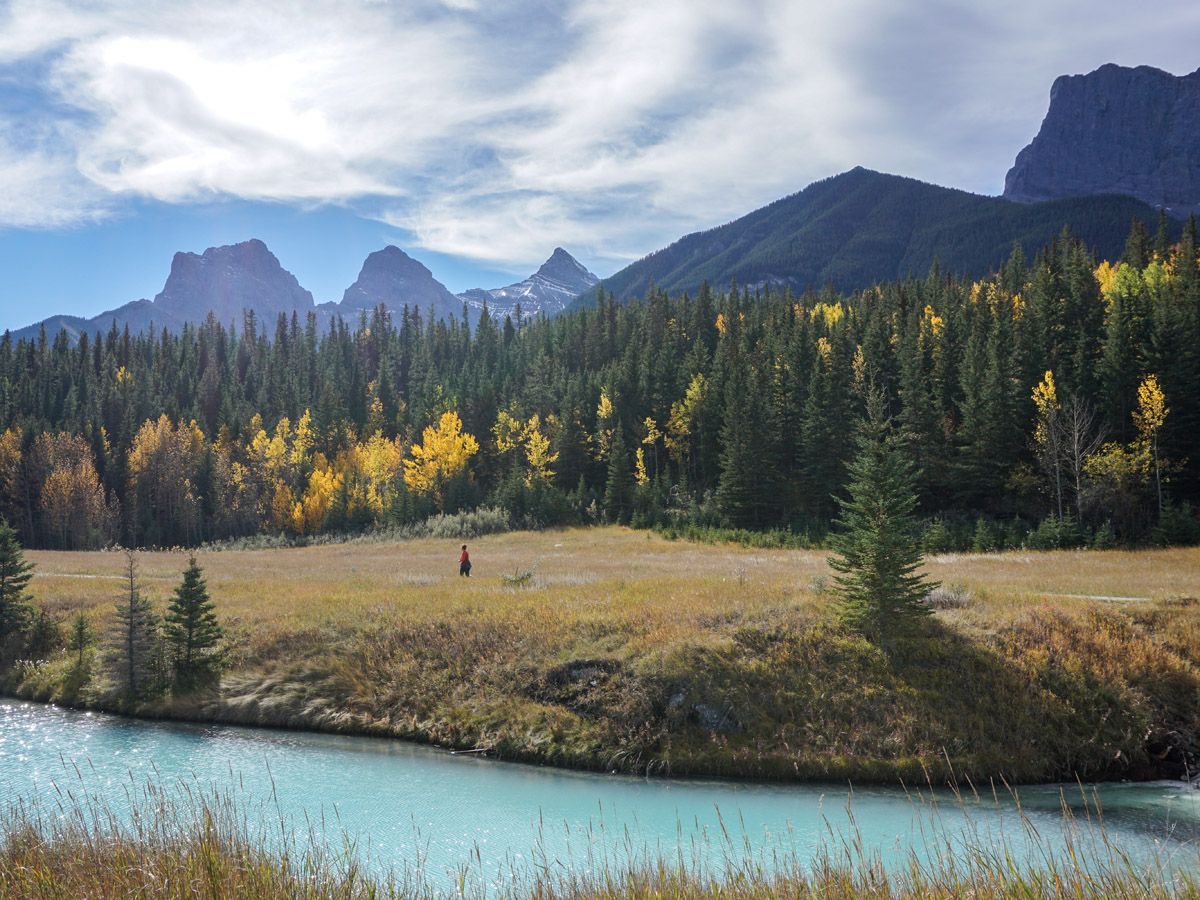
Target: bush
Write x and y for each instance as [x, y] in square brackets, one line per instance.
[1177, 526]
[937, 537]
[468, 524]
[956, 596]
[1104, 538]
[1055, 534]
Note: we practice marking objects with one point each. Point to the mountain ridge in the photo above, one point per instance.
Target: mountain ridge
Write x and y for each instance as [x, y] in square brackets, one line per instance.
[228, 280]
[862, 227]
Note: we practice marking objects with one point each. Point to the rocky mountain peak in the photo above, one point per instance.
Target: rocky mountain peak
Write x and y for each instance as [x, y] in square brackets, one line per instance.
[547, 291]
[1116, 130]
[228, 280]
[393, 278]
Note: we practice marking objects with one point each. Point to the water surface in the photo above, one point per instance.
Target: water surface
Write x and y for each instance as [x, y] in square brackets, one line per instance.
[410, 805]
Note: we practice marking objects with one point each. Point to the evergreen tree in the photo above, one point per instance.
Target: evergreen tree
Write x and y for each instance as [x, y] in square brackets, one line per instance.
[45, 636]
[192, 632]
[131, 649]
[16, 608]
[618, 490]
[877, 546]
[82, 637]
[745, 491]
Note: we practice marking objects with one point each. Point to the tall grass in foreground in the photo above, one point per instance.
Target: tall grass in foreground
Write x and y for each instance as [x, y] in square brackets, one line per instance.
[180, 843]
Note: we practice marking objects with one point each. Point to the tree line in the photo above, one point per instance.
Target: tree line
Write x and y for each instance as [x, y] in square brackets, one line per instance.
[1054, 400]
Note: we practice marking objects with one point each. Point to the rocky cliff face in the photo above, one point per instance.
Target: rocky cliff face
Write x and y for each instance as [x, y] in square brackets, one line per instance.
[393, 278]
[547, 291]
[1116, 131]
[228, 280]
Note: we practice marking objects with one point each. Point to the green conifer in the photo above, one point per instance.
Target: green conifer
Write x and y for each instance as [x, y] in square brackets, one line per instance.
[82, 636]
[192, 632]
[618, 490]
[16, 608]
[877, 544]
[132, 642]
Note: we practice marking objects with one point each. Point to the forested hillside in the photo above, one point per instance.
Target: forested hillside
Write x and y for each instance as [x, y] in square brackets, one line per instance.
[1062, 391]
[863, 227]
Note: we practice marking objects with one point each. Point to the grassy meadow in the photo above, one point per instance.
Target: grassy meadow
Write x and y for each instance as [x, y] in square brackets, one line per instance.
[613, 649]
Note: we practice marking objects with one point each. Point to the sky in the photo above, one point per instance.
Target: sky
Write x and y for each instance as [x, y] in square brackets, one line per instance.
[478, 135]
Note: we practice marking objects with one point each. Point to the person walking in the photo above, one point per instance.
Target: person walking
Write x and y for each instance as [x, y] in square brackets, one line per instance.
[464, 563]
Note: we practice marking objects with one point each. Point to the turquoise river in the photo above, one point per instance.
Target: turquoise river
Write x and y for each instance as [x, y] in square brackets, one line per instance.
[446, 817]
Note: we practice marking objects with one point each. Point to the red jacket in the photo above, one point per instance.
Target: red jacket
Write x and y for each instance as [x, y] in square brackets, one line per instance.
[464, 558]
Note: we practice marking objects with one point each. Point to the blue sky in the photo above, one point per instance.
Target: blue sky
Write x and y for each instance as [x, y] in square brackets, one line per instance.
[480, 135]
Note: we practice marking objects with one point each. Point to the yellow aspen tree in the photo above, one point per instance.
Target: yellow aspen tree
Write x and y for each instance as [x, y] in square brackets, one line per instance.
[538, 457]
[605, 413]
[302, 441]
[282, 503]
[639, 468]
[506, 431]
[1149, 417]
[1048, 433]
[311, 511]
[653, 436]
[682, 421]
[379, 462]
[443, 452]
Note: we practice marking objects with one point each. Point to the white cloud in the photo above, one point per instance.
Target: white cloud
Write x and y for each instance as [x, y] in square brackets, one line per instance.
[40, 188]
[496, 131]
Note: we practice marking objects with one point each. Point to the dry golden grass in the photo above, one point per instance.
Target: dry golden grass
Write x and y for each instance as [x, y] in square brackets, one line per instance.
[627, 650]
[609, 571]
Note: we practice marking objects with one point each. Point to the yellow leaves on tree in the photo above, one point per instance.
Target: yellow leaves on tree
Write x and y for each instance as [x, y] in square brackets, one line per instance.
[825, 352]
[162, 465]
[443, 453]
[309, 514]
[374, 471]
[828, 313]
[639, 467]
[72, 507]
[510, 434]
[1149, 417]
[538, 457]
[681, 423]
[1045, 399]
[605, 426]
[932, 325]
[507, 431]
[1151, 410]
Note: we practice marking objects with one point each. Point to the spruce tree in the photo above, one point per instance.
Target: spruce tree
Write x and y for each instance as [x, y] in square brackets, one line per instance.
[742, 492]
[131, 646]
[618, 490]
[81, 637]
[193, 633]
[16, 608]
[877, 544]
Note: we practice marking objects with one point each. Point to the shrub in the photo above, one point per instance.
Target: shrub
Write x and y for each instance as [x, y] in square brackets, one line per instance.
[1055, 534]
[1178, 525]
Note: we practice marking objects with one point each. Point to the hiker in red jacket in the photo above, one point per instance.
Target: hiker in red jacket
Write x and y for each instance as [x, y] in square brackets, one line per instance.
[464, 563]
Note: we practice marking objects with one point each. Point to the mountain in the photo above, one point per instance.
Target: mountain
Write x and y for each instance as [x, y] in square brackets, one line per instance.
[392, 277]
[222, 280]
[227, 280]
[863, 227]
[547, 291]
[1116, 131]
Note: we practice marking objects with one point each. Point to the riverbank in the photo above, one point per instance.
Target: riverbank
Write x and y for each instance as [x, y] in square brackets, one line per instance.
[608, 649]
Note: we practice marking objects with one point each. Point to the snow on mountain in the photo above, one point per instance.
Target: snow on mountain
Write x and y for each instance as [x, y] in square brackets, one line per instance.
[547, 291]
